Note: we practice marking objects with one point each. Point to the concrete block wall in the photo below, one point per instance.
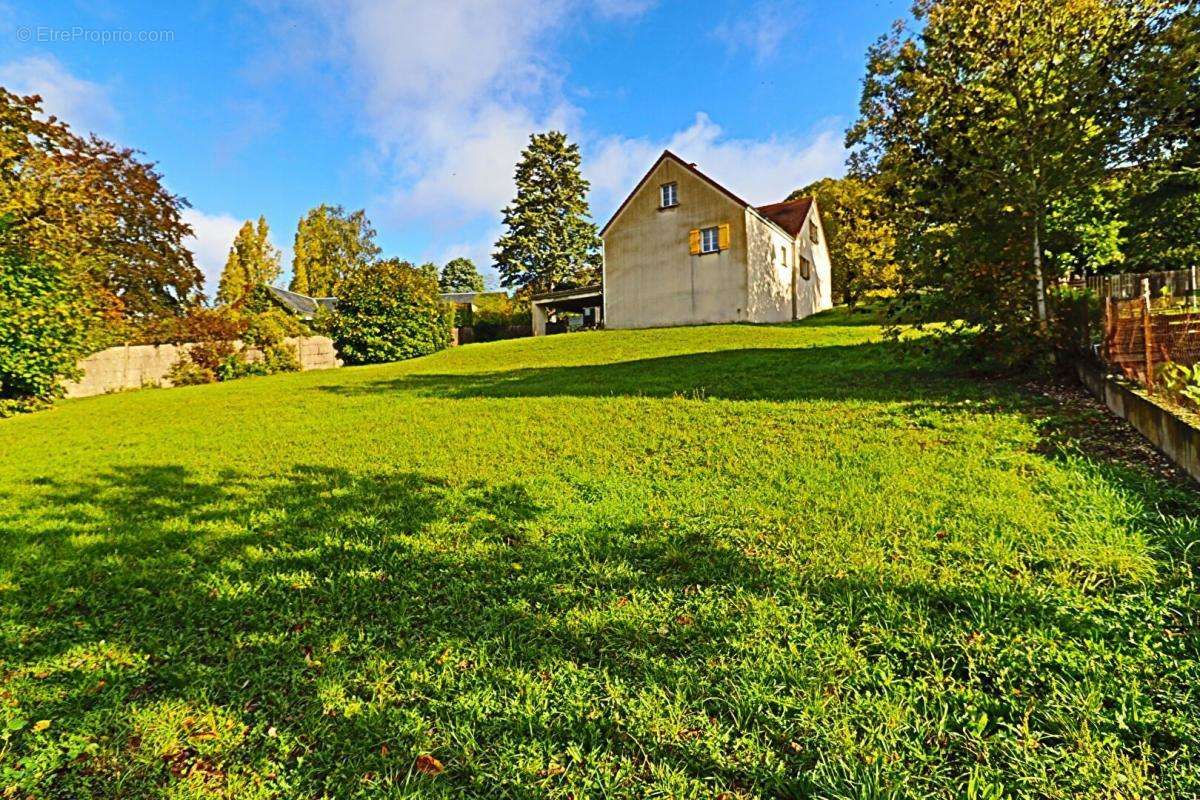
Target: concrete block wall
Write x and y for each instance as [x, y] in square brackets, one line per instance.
[136, 366]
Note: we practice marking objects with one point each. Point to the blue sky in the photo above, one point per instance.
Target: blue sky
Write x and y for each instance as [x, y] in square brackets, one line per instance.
[417, 110]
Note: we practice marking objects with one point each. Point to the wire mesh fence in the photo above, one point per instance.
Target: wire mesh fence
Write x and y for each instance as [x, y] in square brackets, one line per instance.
[1135, 323]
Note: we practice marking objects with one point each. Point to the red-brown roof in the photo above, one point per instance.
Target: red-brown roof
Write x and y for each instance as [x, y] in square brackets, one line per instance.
[789, 215]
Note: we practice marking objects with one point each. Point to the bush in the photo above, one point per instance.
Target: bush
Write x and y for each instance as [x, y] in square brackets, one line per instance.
[389, 311]
[496, 313]
[186, 372]
[43, 328]
[214, 354]
[271, 327]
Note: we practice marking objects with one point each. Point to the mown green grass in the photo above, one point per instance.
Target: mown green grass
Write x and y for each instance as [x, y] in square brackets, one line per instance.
[724, 561]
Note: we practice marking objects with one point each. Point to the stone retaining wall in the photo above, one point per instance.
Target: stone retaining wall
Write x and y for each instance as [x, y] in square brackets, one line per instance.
[137, 366]
[1173, 436]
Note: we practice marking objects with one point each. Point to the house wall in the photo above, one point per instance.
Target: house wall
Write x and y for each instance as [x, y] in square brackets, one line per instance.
[772, 256]
[816, 294]
[136, 366]
[650, 277]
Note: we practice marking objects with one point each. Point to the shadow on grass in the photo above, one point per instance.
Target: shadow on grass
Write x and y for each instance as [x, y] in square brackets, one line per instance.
[871, 372]
[347, 622]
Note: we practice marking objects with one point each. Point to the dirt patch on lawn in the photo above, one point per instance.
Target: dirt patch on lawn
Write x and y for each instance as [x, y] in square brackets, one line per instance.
[1075, 418]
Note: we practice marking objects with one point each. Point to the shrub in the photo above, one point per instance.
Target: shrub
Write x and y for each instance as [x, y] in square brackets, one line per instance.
[497, 312]
[1180, 383]
[186, 372]
[43, 327]
[389, 311]
[271, 327]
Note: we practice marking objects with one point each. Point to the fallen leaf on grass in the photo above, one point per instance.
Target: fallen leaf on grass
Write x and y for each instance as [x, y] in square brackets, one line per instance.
[428, 765]
[41, 725]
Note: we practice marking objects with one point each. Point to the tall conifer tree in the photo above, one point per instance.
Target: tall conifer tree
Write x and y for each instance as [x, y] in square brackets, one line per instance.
[550, 241]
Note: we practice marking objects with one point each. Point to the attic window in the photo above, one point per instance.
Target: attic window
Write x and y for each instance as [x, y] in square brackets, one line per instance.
[670, 194]
[813, 233]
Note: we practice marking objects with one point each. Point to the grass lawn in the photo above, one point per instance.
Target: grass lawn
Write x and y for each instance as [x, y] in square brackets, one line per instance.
[729, 561]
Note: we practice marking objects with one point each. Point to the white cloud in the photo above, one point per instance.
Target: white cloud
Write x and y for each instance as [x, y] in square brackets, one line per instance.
[623, 8]
[84, 105]
[479, 250]
[757, 170]
[214, 236]
[761, 29]
[450, 93]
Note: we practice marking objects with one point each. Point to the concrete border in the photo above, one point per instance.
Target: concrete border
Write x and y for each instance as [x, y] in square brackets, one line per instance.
[1177, 439]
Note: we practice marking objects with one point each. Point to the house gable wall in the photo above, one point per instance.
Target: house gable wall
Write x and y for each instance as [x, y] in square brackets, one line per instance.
[650, 276]
[773, 256]
[816, 294]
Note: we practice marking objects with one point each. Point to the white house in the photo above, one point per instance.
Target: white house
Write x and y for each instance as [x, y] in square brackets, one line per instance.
[684, 250]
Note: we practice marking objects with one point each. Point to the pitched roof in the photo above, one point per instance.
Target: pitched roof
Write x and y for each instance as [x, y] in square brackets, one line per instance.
[469, 297]
[690, 167]
[301, 304]
[789, 215]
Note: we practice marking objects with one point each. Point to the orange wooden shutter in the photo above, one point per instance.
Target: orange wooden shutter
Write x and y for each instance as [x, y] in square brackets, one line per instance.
[723, 237]
[694, 241]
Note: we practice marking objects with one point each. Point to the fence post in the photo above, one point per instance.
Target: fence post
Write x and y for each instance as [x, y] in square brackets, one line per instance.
[1192, 287]
[1147, 331]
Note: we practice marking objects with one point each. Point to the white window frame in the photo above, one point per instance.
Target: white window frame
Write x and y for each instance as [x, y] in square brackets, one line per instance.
[668, 191]
[710, 240]
[814, 232]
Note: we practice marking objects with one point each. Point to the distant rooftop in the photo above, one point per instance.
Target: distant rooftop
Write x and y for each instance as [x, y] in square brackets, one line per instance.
[301, 304]
[468, 297]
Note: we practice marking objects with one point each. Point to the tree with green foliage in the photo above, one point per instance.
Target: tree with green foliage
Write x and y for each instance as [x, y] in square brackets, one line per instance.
[460, 275]
[43, 324]
[430, 270]
[859, 235]
[96, 210]
[978, 127]
[550, 241]
[330, 245]
[389, 310]
[253, 261]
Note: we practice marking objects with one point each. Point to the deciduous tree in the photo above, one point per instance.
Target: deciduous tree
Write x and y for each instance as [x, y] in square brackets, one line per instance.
[859, 234]
[253, 261]
[460, 275]
[387, 311]
[549, 240]
[43, 324]
[330, 245]
[979, 126]
[97, 211]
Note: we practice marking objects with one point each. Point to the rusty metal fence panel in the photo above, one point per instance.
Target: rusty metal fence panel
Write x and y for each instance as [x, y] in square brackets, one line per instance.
[1148, 320]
